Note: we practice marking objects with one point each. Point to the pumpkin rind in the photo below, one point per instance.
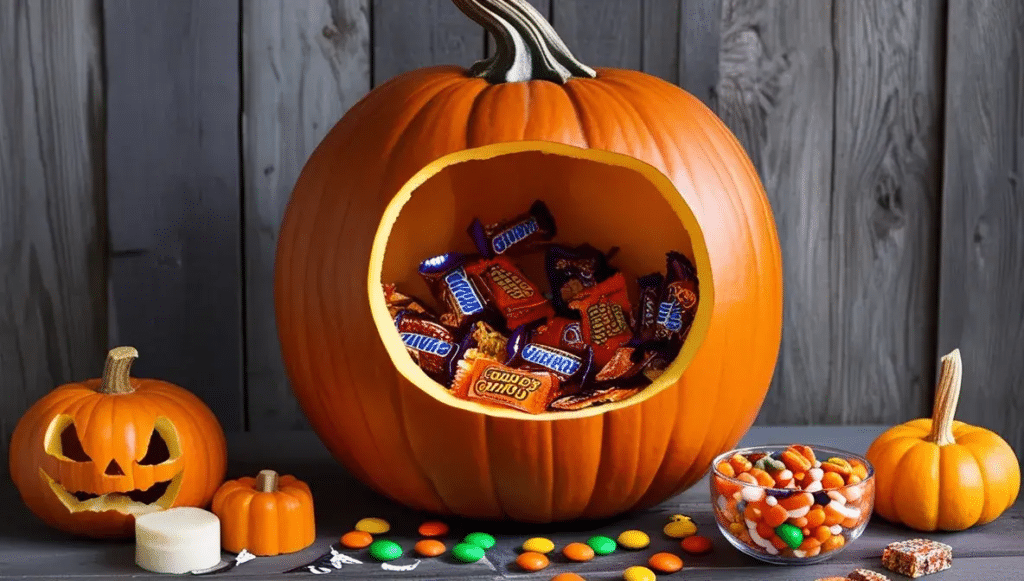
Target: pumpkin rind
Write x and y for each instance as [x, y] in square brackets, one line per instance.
[116, 427]
[431, 456]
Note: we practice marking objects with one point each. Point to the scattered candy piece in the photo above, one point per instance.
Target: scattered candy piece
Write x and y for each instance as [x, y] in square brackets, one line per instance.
[356, 540]
[482, 540]
[602, 545]
[696, 545]
[680, 526]
[539, 545]
[833, 579]
[665, 563]
[578, 552]
[433, 528]
[374, 526]
[634, 539]
[531, 561]
[866, 575]
[917, 557]
[567, 577]
[467, 552]
[383, 550]
[429, 548]
[638, 573]
[790, 534]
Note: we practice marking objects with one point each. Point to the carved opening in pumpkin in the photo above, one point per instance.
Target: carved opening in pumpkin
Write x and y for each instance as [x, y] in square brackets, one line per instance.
[597, 197]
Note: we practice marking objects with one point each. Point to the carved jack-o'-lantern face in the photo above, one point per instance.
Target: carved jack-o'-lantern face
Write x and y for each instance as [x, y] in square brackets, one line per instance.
[90, 456]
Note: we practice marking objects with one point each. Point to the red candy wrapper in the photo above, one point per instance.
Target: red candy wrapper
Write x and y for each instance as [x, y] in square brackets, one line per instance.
[518, 299]
[565, 334]
[605, 312]
[431, 345]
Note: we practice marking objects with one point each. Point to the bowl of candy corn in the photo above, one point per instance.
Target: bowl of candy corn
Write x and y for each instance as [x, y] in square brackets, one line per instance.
[792, 504]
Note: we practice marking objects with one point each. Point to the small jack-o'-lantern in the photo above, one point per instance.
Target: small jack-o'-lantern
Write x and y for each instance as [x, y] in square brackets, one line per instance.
[89, 456]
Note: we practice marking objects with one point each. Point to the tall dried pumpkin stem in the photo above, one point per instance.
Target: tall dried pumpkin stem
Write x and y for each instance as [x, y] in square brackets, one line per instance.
[116, 378]
[266, 481]
[527, 46]
[946, 396]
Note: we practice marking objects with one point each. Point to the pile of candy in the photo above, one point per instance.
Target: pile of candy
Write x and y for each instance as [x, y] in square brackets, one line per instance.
[500, 341]
[789, 503]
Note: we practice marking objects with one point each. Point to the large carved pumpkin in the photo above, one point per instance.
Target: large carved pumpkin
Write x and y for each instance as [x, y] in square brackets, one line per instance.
[621, 159]
[90, 456]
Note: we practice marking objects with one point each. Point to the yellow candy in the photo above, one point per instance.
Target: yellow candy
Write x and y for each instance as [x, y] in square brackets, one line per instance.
[374, 526]
[539, 545]
[638, 574]
[634, 539]
[679, 527]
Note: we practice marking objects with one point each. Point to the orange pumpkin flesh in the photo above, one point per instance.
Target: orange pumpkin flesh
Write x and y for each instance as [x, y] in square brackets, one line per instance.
[940, 474]
[89, 456]
[618, 158]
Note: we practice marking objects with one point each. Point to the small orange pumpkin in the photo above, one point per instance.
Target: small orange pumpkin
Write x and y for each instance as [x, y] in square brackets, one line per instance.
[938, 474]
[89, 456]
[267, 515]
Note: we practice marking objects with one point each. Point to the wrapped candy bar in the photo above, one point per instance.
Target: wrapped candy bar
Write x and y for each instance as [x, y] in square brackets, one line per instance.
[568, 367]
[917, 557]
[565, 334]
[515, 235]
[452, 286]
[571, 270]
[397, 301]
[678, 300]
[497, 384]
[591, 397]
[605, 317]
[430, 344]
[518, 299]
[625, 367]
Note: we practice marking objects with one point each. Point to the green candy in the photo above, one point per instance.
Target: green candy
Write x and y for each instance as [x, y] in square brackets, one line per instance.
[385, 550]
[482, 540]
[468, 552]
[791, 535]
[602, 545]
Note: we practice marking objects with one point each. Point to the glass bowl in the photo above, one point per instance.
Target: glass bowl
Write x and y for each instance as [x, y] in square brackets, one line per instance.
[778, 521]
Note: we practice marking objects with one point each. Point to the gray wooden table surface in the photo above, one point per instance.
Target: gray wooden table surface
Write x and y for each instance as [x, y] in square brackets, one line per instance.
[30, 550]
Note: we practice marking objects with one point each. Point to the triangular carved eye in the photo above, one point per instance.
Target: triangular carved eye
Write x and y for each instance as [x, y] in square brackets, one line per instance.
[113, 469]
[157, 451]
[71, 446]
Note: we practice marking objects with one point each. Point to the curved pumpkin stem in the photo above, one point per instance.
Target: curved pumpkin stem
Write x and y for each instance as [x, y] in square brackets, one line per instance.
[528, 48]
[266, 481]
[946, 396]
[116, 378]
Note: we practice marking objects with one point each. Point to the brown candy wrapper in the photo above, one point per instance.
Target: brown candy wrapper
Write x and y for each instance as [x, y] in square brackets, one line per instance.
[565, 334]
[497, 384]
[515, 235]
[605, 317]
[678, 301]
[592, 397]
[430, 344]
[452, 287]
[514, 295]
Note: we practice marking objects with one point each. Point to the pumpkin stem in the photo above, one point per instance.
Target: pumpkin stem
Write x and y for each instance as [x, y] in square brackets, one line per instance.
[527, 46]
[946, 396]
[266, 481]
[115, 370]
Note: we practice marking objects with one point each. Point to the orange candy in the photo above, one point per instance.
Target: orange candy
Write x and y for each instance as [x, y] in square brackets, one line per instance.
[795, 461]
[696, 544]
[859, 469]
[356, 540]
[726, 469]
[775, 516]
[665, 563]
[822, 533]
[833, 543]
[531, 561]
[832, 480]
[762, 477]
[433, 528]
[567, 577]
[429, 548]
[581, 551]
[740, 463]
[815, 517]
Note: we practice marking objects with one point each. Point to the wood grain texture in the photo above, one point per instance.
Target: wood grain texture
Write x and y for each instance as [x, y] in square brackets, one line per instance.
[52, 242]
[602, 34]
[981, 304]
[884, 211]
[173, 193]
[410, 34]
[305, 64]
[776, 93]
[699, 49]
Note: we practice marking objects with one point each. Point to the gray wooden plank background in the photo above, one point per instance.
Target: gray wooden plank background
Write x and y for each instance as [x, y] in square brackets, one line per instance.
[148, 150]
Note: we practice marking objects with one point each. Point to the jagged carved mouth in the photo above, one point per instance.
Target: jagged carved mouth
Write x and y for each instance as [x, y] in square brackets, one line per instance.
[160, 496]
